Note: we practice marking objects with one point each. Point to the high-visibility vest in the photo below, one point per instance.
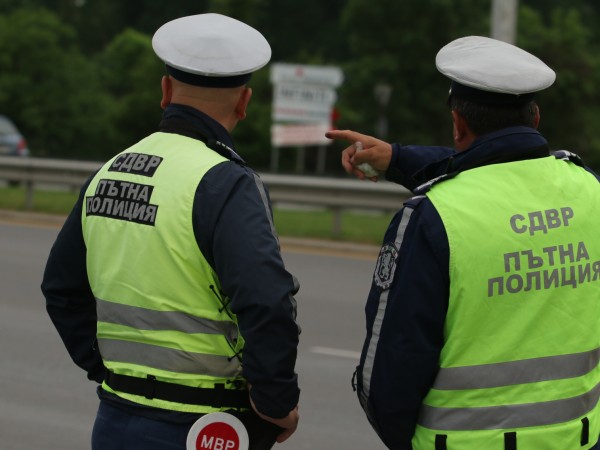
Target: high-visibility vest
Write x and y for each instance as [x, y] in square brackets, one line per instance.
[160, 308]
[519, 368]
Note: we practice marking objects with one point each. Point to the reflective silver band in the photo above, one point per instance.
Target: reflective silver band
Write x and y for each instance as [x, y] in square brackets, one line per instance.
[372, 349]
[148, 319]
[509, 416]
[265, 199]
[517, 372]
[367, 369]
[169, 359]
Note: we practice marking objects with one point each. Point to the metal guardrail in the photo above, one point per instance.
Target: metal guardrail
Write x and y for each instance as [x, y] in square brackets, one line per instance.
[332, 193]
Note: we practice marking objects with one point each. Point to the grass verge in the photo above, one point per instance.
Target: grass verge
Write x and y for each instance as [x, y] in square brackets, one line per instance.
[364, 228]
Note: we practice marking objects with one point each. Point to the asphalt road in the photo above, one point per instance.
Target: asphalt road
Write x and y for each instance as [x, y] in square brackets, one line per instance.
[46, 401]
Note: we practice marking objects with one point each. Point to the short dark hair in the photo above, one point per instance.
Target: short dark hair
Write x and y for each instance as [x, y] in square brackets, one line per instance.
[483, 119]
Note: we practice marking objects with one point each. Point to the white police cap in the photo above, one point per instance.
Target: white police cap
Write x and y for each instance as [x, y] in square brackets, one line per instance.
[211, 50]
[491, 71]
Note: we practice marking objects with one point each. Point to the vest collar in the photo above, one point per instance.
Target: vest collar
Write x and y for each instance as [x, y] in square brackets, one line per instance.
[190, 122]
[507, 145]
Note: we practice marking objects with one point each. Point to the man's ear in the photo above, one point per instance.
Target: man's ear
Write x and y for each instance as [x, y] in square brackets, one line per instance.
[242, 104]
[462, 134]
[536, 118]
[458, 126]
[167, 91]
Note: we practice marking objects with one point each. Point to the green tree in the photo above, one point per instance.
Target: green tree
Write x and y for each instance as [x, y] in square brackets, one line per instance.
[98, 22]
[7, 6]
[252, 135]
[571, 107]
[131, 73]
[396, 44]
[48, 87]
[90, 106]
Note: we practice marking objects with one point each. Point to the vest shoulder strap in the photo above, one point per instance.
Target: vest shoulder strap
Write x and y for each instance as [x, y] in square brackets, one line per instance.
[180, 126]
[520, 155]
[566, 155]
[425, 187]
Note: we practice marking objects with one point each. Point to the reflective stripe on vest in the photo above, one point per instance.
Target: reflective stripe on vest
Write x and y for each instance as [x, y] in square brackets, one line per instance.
[148, 319]
[169, 359]
[517, 372]
[509, 416]
[160, 309]
[367, 369]
[165, 358]
[522, 340]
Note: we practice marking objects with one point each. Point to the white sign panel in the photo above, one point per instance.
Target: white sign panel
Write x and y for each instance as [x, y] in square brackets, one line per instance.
[304, 94]
[312, 94]
[296, 102]
[299, 135]
[297, 73]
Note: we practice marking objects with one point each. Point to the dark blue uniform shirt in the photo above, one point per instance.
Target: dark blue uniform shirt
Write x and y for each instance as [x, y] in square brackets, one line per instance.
[402, 351]
[233, 226]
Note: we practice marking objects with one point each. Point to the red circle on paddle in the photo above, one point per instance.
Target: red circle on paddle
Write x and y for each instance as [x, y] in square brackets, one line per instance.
[218, 436]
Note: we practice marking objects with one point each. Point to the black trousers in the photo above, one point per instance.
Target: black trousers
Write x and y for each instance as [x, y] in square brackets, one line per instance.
[116, 429]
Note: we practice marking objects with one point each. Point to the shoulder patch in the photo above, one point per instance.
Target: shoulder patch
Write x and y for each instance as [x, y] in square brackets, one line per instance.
[386, 266]
[413, 202]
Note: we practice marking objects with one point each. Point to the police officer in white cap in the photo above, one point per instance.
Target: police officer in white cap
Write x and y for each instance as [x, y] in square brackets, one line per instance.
[483, 317]
[166, 282]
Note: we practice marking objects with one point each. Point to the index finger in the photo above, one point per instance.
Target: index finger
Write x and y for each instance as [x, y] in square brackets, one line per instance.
[347, 135]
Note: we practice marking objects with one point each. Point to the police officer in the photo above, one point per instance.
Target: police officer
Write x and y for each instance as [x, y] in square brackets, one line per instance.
[483, 319]
[166, 282]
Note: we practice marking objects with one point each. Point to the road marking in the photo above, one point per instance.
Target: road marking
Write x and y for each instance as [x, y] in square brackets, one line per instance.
[335, 352]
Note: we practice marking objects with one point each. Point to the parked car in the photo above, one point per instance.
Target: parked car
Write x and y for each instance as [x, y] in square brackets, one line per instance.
[12, 142]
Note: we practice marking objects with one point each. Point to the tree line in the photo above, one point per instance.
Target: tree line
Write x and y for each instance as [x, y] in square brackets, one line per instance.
[81, 81]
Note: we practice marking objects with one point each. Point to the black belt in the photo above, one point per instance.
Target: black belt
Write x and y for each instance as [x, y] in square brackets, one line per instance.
[151, 388]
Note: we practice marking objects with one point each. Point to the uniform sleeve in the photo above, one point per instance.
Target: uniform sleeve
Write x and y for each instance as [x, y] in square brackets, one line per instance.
[593, 173]
[234, 229]
[409, 162]
[69, 299]
[405, 315]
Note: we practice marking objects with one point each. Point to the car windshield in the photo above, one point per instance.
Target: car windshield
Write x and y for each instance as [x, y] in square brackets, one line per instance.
[6, 127]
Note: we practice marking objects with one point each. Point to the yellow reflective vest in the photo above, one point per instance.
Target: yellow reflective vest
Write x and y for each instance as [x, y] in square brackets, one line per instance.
[520, 365]
[159, 304]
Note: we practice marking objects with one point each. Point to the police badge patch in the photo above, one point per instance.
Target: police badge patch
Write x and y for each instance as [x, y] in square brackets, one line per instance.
[386, 266]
